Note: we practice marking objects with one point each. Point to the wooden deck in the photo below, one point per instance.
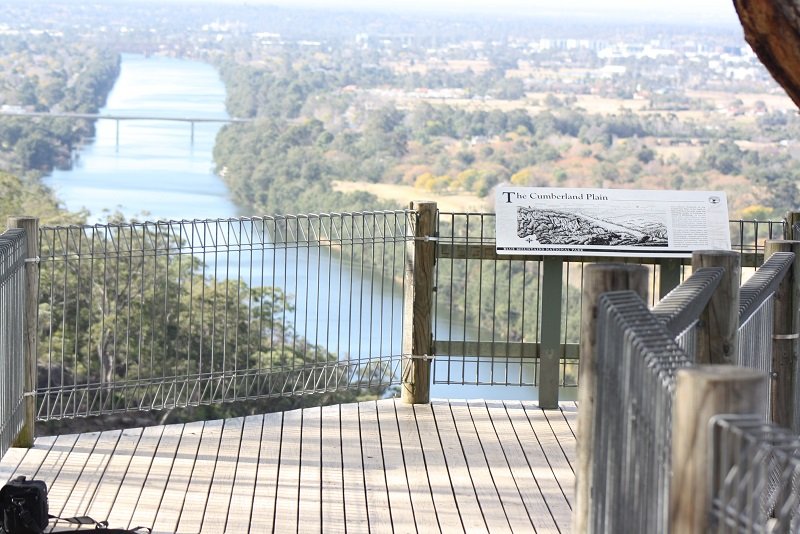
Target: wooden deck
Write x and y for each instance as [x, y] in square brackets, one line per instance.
[451, 466]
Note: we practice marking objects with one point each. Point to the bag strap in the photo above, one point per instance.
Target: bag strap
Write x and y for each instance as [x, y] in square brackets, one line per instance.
[80, 520]
[98, 525]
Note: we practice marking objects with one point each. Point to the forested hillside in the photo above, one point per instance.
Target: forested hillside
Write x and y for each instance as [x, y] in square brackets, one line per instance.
[319, 125]
[21, 196]
[50, 74]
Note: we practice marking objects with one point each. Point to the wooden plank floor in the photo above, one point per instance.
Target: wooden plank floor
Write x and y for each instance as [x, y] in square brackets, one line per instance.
[451, 466]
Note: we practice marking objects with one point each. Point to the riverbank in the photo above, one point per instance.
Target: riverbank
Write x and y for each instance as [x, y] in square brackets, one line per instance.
[404, 194]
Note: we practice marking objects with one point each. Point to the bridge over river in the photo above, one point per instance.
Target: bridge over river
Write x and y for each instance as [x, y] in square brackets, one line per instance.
[119, 117]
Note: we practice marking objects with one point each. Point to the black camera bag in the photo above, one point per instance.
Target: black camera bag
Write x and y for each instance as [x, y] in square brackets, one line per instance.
[24, 504]
[24, 510]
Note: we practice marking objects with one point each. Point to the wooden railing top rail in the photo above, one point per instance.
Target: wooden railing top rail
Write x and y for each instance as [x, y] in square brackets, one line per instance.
[763, 283]
[683, 305]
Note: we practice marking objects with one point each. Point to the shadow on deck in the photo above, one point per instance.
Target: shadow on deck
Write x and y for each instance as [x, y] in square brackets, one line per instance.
[451, 466]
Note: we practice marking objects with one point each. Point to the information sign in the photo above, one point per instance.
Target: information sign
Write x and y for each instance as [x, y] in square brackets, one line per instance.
[610, 222]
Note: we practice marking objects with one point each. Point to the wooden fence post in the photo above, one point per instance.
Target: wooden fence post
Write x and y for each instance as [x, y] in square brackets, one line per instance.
[30, 350]
[786, 326]
[792, 221]
[701, 393]
[598, 278]
[717, 331]
[418, 306]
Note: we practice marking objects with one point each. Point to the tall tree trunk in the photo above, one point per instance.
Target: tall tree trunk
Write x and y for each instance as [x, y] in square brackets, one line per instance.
[772, 28]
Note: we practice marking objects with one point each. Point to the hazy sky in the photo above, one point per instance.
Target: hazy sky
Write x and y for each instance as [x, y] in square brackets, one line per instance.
[688, 10]
[697, 12]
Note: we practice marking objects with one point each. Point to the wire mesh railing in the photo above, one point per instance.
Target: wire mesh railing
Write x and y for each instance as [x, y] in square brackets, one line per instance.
[755, 476]
[491, 311]
[12, 302]
[487, 310]
[748, 237]
[142, 316]
[638, 354]
[755, 340]
[636, 362]
[763, 283]
[636, 365]
[680, 309]
[756, 314]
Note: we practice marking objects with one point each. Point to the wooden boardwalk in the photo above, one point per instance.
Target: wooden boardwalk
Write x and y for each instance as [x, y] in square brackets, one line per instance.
[451, 466]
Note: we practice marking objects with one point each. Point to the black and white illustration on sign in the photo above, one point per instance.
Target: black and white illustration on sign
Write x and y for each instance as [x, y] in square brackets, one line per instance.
[586, 226]
[610, 222]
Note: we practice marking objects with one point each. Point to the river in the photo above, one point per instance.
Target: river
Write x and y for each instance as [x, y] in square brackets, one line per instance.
[155, 170]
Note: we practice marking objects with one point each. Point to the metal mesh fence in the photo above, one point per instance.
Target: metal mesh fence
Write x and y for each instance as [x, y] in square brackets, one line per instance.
[748, 236]
[490, 311]
[755, 341]
[756, 314]
[755, 477]
[636, 362]
[487, 310]
[159, 314]
[680, 308]
[154, 315]
[12, 299]
[687, 341]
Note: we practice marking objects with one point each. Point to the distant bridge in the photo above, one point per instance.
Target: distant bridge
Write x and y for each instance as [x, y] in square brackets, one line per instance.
[118, 118]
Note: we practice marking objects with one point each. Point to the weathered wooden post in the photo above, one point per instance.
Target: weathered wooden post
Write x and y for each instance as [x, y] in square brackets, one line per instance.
[786, 326]
[701, 393]
[792, 222]
[717, 331]
[598, 279]
[418, 305]
[31, 227]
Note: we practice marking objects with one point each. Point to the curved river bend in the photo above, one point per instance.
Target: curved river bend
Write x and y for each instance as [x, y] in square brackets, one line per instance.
[156, 170]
